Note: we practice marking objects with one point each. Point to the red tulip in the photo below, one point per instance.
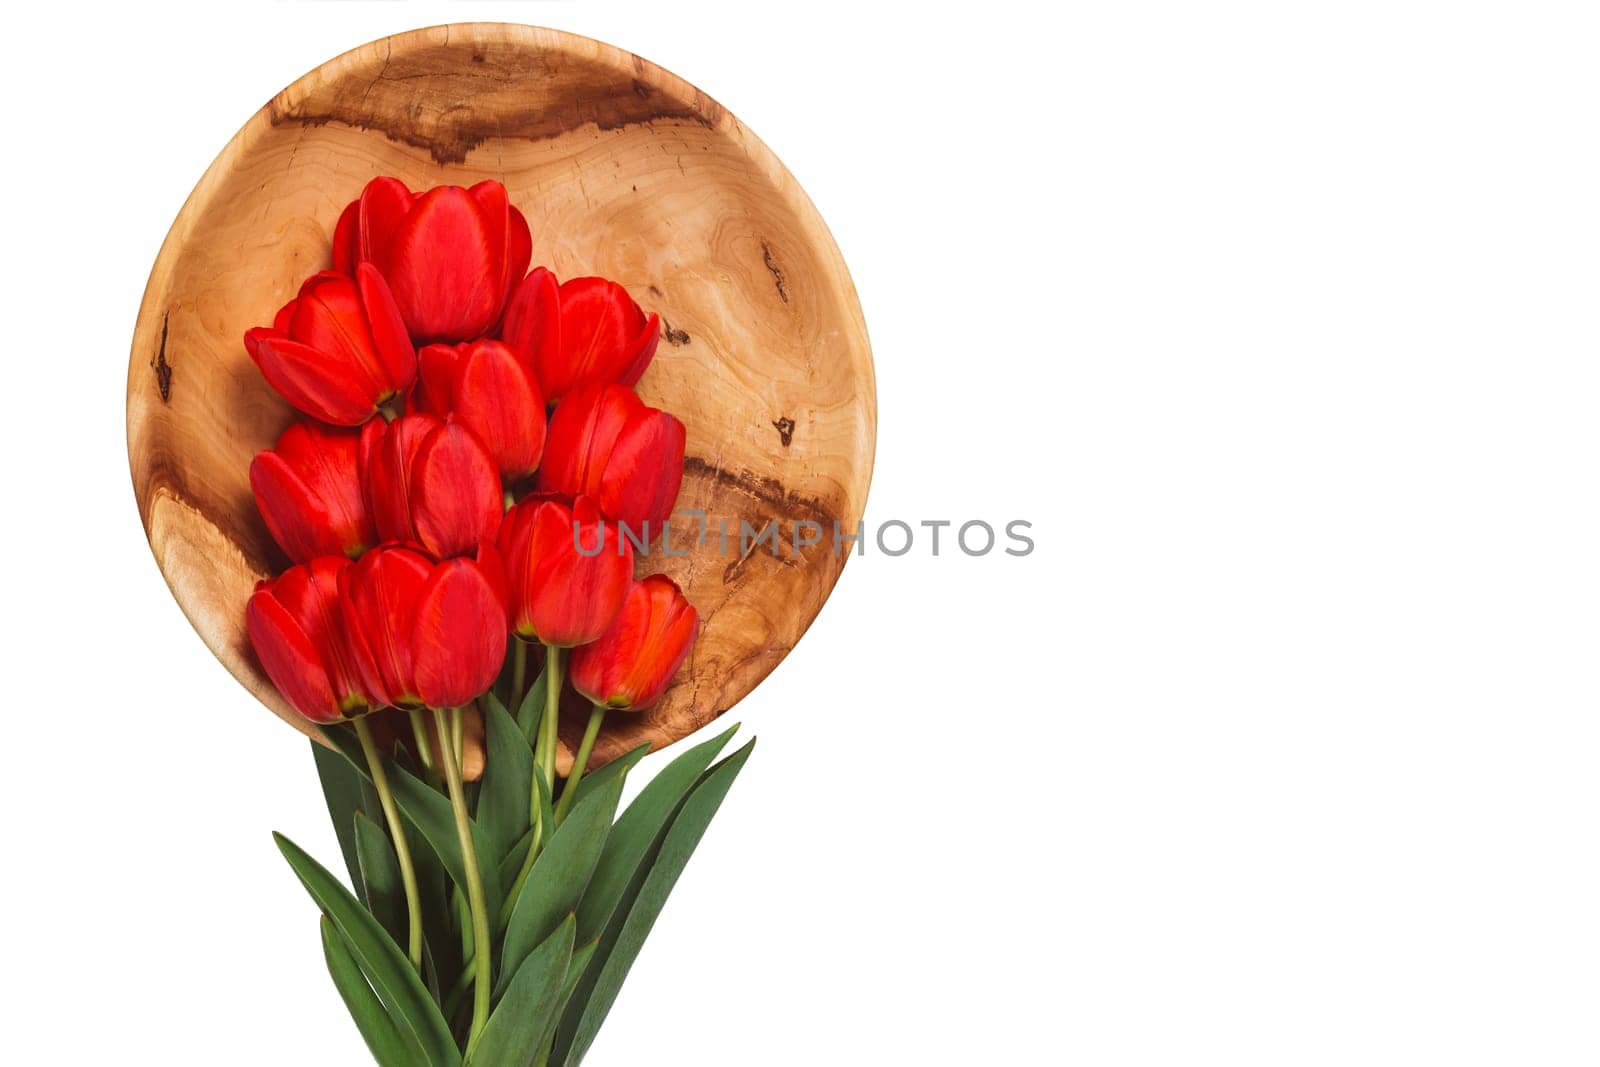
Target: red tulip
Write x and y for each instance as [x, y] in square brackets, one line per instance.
[423, 633]
[586, 331]
[308, 490]
[430, 483]
[338, 350]
[633, 662]
[450, 254]
[485, 387]
[294, 626]
[604, 441]
[558, 594]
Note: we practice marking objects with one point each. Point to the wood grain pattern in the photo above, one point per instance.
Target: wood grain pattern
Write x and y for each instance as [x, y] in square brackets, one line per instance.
[623, 169]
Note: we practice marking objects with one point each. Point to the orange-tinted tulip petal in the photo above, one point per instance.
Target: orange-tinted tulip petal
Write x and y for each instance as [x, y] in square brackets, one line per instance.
[560, 593]
[634, 661]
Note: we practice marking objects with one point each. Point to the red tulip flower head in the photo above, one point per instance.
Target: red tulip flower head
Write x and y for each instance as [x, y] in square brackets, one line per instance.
[450, 254]
[338, 350]
[606, 442]
[484, 386]
[430, 483]
[294, 625]
[566, 570]
[633, 662]
[586, 331]
[308, 490]
[423, 633]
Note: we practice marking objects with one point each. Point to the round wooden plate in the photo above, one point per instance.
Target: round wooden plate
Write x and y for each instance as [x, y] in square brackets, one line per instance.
[623, 169]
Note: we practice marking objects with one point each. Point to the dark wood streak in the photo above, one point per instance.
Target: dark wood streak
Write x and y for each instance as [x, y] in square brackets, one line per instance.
[777, 272]
[427, 100]
[785, 428]
[673, 337]
[162, 367]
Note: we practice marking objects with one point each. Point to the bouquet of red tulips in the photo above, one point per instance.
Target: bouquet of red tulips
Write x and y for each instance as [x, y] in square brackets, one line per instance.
[465, 506]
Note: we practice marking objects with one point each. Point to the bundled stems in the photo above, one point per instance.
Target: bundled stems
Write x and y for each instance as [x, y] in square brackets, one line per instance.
[570, 790]
[448, 722]
[402, 849]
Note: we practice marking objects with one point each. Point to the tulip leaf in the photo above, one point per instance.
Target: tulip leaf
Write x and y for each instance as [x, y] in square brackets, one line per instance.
[559, 876]
[393, 980]
[512, 864]
[631, 922]
[383, 889]
[638, 829]
[389, 1044]
[507, 780]
[514, 1035]
[531, 710]
[619, 766]
[341, 788]
[580, 963]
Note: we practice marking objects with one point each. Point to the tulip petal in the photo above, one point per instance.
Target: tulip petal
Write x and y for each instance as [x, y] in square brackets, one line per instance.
[302, 376]
[290, 658]
[378, 599]
[499, 400]
[644, 350]
[388, 459]
[644, 472]
[456, 500]
[459, 639]
[389, 337]
[446, 267]
[346, 249]
[532, 328]
[436, 374]
[384, 202]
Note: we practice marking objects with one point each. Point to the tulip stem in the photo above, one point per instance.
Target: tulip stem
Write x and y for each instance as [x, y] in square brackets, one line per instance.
[545, 754]
[419, 734]
[402, 849]
[476, 904]
[570, 790]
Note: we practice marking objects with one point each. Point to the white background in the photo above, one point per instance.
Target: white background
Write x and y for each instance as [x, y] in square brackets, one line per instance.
[1280, 324]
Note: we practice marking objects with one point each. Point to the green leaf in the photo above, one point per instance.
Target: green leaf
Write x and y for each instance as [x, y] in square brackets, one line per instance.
[631, 838]
[625, 935]
[384, 891]
[514, 1035]
[380, 959]
[580, 962]
[616, 768]
[507, 781]
[341, 788]
[390, 1046]
[559, 875]
[531, 710]
[430, 812]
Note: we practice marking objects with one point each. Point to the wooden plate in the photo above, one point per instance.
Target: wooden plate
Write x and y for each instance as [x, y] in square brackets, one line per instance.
[624, 170]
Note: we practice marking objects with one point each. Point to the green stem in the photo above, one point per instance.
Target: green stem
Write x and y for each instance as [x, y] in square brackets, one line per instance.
[419, 734]
[476, 903]
[570, 790]
[402, 849]
[545, 751]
